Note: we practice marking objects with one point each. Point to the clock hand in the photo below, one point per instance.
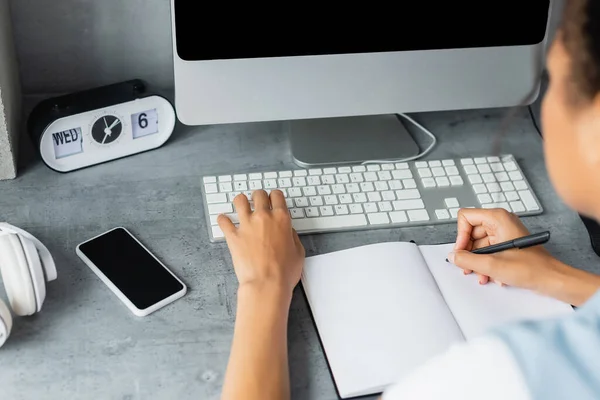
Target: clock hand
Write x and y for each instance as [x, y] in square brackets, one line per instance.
[105, 123]
[117, 122]
[106, 135]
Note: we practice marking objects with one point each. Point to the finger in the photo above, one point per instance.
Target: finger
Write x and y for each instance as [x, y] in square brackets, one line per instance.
[478, 244]
[483, 279]
[479, 232]
[468, 219]
[226, 225]
[479, 263]
[278, 200]
[242, 206]
[261, 200]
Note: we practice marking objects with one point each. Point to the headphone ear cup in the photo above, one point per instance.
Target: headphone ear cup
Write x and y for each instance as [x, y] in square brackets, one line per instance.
[16, 276]
[5, 323]
[35, 270]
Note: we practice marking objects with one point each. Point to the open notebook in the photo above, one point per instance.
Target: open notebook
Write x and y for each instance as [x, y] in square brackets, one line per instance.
[382, 310]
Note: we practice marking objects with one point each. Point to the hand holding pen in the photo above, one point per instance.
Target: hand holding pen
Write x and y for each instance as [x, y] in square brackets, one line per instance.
[498, 247]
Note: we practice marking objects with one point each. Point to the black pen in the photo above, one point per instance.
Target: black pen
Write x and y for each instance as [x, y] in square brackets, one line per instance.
[520, 243]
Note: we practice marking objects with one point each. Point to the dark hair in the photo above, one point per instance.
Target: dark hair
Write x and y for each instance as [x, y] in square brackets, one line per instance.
[580, 34]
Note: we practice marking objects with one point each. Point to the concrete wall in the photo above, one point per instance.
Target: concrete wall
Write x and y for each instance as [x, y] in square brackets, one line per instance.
[10, 101]
[67, 45]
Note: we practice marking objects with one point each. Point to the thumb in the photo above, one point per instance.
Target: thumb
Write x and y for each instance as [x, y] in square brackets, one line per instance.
[226, 225]
[479, 263]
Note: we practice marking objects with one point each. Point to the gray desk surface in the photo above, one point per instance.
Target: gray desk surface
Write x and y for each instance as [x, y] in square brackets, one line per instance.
[86, 345]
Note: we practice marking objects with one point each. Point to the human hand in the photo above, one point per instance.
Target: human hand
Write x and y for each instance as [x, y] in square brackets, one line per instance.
[265, 249]
[526, 268]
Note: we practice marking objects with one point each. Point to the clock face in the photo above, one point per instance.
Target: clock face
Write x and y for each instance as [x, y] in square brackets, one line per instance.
[107, 129]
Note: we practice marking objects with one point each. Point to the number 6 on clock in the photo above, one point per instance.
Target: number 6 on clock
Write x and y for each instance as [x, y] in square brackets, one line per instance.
[144, 123]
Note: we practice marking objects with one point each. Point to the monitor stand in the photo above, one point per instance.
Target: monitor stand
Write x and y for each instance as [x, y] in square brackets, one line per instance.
[350, 140]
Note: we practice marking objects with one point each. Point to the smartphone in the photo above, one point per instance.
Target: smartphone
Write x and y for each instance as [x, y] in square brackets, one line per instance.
[126, 266]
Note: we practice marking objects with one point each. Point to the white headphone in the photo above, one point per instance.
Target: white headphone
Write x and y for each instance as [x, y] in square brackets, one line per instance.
[26, 265]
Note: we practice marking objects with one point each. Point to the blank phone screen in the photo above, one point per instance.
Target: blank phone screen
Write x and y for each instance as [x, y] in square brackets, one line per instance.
[134, 271]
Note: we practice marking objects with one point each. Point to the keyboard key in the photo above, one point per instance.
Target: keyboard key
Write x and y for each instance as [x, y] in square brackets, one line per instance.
[507, 186]
[528, 200]
[442, 214]
[448, 163]
[517, 206]
[378, 218]
[326, 211]
[451, 171]
[480, 188]
[210, 179]
[407, 194]
[484, 198]
[408, 204]
[216, 198]
[456, 181]
[484, 168]
[222, 208]
[451, 202]
[471, 169]
[312, 212]
[475, 178]
[511, 196]
[520, 185]
[438, 171]
[355, 209]
[424, 172]
[328, 223]
[418, 215]
[297, 213]
[211, 188]
[398, 217]
[217, 232]
[428, 182]
[402, 174]
[515, 175]
[442, 181]
[409, 183]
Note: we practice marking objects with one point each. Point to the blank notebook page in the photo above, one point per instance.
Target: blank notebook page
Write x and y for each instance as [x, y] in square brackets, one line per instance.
[378, 312]
[478, 308]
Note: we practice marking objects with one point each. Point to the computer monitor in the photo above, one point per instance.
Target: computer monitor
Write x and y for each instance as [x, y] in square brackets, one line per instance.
[341, 74]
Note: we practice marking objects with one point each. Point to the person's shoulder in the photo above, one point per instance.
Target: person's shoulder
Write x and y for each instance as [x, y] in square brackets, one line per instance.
[558, 357]
[481, 368]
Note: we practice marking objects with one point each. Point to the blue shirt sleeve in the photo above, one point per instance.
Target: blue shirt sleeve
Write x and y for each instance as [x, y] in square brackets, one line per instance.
[559, 358]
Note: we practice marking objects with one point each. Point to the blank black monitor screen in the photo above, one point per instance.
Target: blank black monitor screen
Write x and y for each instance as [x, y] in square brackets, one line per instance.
[252, 30]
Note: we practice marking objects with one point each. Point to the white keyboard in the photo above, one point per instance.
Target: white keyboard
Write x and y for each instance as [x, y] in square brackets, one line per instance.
[355, 197]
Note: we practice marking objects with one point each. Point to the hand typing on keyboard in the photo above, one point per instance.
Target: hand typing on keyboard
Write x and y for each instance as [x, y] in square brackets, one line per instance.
[265, 249]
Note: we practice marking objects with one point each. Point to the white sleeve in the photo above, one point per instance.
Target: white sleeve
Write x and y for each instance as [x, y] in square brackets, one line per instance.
[481, 368]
